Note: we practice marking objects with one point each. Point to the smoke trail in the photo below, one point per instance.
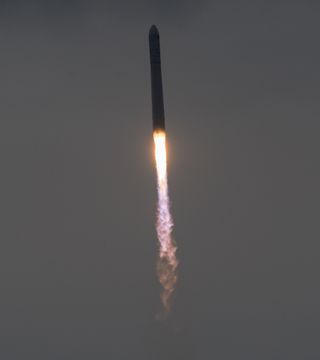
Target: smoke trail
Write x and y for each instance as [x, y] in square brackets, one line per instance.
[167, 262]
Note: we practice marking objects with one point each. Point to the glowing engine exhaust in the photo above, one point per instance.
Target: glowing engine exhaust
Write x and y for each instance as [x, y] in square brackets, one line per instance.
[167, 262]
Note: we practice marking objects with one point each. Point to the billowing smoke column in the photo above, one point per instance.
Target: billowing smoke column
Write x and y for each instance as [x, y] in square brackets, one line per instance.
[167, 262]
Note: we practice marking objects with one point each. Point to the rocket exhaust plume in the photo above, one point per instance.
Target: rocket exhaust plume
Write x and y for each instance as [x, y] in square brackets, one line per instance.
[167, 261]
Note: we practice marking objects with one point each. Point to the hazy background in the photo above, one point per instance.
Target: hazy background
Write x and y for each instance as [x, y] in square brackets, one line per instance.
[78, 193]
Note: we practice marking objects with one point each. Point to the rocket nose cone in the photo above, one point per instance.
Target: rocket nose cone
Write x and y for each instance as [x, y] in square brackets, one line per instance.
[153, 31]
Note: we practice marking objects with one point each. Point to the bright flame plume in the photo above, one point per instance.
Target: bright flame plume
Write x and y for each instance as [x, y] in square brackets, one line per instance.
[167, 262]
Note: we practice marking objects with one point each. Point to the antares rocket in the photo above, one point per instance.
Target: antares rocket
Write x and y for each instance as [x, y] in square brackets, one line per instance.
[156, 80]
[167, 260]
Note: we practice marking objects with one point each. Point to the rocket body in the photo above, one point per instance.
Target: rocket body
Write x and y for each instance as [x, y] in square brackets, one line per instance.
[156, 80]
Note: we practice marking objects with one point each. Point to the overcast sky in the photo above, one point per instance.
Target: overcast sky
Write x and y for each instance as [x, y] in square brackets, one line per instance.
[78, 191]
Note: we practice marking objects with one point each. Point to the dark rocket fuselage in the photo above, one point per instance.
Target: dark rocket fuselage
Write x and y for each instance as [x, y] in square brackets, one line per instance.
[156, 80]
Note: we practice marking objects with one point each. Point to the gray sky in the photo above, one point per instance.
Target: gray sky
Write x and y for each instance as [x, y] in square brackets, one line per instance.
[78, 194]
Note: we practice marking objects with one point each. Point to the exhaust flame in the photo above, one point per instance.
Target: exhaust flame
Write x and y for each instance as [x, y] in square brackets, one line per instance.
[167, 262]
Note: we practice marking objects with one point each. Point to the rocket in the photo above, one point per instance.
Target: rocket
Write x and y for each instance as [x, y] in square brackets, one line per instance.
[156, 80]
